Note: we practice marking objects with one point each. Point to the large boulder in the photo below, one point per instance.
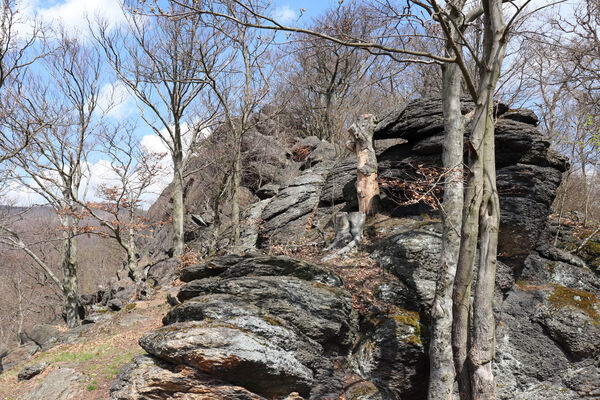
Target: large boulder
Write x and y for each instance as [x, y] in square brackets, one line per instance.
[528, 171]
[256, 326]
[287, 214]
[44, 335]
[151, 378]
[272, 325]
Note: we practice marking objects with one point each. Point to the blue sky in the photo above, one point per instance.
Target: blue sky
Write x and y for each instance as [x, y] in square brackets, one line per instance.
[74, 14]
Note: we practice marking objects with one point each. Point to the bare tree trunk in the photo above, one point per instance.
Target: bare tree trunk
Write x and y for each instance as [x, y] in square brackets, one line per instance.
[461, 296]
[132, 262]
[69, 284]
[442, 372]
[482, 352]
[367, 186]
[178, 206]
[237, 178]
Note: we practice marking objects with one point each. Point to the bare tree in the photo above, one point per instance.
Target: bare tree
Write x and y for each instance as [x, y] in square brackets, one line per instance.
[241, 91]
[61, 118]
[132, 171]
[17, 52]
[164, 62]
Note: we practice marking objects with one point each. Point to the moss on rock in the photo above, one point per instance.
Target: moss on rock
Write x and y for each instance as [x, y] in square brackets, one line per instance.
[587, 302]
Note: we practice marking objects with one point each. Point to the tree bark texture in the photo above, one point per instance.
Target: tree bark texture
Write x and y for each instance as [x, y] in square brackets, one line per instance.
[367, 186]
[348, 232]
[461, 296]
[482, 350]
[178, 207]
[69, 281]
[236, 181]
[442, 371]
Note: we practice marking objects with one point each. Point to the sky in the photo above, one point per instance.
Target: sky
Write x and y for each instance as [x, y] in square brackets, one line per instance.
[74, 14]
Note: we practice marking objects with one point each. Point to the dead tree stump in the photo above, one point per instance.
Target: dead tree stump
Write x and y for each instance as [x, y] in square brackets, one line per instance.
[367, 187]
[348, 232]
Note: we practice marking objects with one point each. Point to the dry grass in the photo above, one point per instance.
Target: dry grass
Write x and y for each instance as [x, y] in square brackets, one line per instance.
[104, 349]
[359, 271]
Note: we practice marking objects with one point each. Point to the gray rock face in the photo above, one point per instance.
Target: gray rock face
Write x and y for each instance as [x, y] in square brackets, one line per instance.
[340, 180]
[17, 355]
[228, 352]
[61, 384]
[286, 215]
[393, 357]
[319, 311]
[528, 172]
[150, 378]
[272, 325]
[234, 266]
[44, 335]
[413, 256]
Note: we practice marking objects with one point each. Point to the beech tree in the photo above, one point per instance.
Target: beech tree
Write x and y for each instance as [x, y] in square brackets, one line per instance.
[60, 117]
[132, 171]
[164, 64]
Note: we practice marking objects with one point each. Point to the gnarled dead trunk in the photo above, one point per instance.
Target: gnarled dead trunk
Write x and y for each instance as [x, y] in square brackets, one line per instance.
[367, 187]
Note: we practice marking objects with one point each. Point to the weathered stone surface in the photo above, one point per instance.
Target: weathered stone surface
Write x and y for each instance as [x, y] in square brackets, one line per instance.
[398, 294]
[319, 311]
[271, 324]
[150, 378]
[584, 380]
[162, 272]
[17, 355]
[324, 152]
[522, 115]
[44, 335]
[233, 266]
[267, 191]
[572, 318]
[526, 358]
[287, 214]
[417, 119]
[342, 175]
[539, 269]
[61, 384]
[248, 317]
[391, 355]
[230, 353]
[29, 372]
[413, 256]
[251, 220]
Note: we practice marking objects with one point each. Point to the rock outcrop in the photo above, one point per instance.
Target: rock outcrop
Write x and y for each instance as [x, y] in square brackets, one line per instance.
[259, 326]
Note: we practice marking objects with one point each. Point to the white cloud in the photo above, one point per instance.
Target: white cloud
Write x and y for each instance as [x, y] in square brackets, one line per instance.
[116, 101]
[285, 14]
[74, 14]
